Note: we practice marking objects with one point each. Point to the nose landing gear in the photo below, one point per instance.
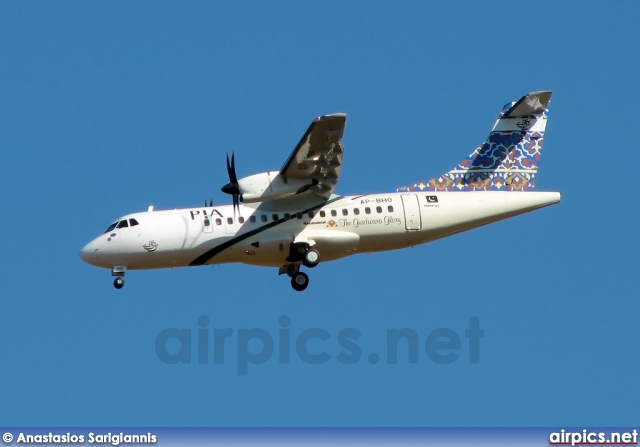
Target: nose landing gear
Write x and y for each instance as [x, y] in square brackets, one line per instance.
[118, 271]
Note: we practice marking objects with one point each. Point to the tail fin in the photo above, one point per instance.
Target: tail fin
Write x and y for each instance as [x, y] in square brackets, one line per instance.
[508, 159]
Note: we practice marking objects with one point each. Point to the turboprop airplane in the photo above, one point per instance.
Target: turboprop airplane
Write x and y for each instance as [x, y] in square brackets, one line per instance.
[291, 218]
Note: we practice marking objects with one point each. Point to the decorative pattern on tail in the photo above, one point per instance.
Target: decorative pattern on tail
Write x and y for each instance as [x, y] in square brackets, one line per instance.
[508, 159]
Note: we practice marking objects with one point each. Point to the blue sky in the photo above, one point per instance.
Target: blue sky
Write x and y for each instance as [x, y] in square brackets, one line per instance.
[110, 107]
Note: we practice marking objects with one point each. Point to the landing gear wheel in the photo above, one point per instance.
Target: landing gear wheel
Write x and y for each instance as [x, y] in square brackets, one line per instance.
[118, 282]
[311, 258]
[299, 281]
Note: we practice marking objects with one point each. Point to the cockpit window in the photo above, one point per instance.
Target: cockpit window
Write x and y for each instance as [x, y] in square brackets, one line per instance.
[111, 227]
[123, 224]
[133, 222]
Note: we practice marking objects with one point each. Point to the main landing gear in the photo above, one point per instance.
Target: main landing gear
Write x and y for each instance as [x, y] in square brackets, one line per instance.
[299, 281]
[118, 272]
[309, 257]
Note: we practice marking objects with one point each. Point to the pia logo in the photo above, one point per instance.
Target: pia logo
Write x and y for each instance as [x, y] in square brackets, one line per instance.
[524, 124]
[151, 246]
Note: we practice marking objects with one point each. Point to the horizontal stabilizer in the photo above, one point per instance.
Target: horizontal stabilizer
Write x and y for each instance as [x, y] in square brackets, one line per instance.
[529, 105]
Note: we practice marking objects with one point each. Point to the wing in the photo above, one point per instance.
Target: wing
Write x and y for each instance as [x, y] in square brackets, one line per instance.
[318, 155]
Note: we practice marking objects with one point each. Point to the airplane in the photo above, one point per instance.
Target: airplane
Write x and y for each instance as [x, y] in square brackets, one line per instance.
[292, 218]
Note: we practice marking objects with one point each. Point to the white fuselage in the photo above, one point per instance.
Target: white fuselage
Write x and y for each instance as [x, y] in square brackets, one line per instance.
[261, 233]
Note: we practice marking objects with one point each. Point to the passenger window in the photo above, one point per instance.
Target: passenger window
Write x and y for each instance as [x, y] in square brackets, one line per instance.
[241, 219]
[133, 222]
[287, 216]
[263, 218]
[322, 214]
[299, 215]
[367, 210]
[345, 212]
[252, 219]
[390, 208]
[123, 224]
[334, 213]
[378, 209]
[229, 220]
[207, 222]
[218, 221]
[275, 217]
[356, 211]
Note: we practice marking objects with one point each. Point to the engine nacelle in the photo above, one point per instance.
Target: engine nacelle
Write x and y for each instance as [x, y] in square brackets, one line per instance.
[270, 186]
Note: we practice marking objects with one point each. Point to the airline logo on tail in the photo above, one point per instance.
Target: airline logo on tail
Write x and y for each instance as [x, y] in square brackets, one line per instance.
[524, 124]
[508, 159]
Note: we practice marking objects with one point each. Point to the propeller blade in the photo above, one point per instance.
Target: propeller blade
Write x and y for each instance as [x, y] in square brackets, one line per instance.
[232, 187]
[231, 168]
[236, 204]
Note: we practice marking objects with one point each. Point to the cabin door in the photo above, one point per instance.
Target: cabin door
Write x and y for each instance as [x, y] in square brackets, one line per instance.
[412, 220]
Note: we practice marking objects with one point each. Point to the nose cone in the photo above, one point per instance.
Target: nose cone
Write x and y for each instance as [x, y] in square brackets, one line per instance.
[89, 253]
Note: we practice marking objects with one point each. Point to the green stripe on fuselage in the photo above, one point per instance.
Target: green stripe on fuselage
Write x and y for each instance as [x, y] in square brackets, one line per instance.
[206, 256]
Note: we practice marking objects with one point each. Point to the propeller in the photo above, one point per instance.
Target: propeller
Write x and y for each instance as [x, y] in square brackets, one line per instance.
[232, 187]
